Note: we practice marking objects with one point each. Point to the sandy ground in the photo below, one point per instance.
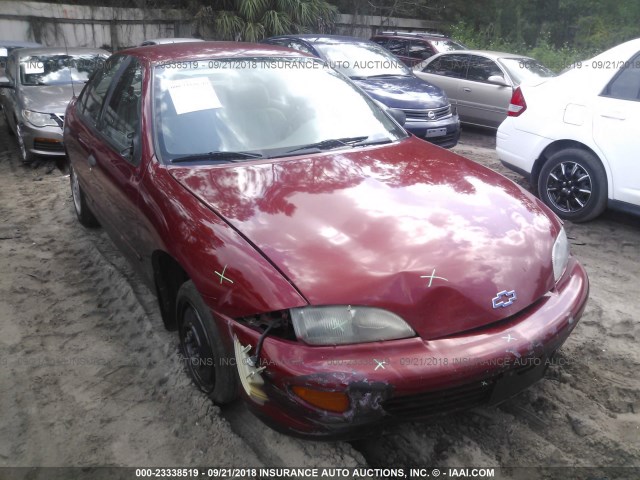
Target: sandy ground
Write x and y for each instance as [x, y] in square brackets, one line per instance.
[88, 376]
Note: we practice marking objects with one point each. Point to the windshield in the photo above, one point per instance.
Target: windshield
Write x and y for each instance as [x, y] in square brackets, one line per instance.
[264, 106]
[58, 69]
[525, 69]
[362, 59]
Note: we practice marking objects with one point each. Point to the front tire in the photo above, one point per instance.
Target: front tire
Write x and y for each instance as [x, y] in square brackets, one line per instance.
[202, 347]
[6, 119]
[83, 212]
[25, 155]
[573, 183]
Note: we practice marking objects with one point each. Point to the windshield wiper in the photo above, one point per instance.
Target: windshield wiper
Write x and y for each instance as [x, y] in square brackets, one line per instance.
[227, 156]
[380, 141]
[330, 144]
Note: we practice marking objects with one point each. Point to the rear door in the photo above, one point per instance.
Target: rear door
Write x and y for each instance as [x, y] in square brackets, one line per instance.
[616, 124]
[482, 102]
[446, 71]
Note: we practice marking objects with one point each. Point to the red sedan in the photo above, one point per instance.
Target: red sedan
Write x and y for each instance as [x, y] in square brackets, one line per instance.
[335, 271]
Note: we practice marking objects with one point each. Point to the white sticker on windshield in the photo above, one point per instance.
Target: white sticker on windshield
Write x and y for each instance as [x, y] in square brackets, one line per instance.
[33, 66]
[192, 95]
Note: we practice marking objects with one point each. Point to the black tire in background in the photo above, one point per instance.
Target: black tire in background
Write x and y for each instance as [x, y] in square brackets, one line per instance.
[6, 120]
[83, 212]
[202, 348]
[573, 183]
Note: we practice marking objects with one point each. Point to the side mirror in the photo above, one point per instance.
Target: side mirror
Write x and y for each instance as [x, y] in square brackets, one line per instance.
[498, 80]
[398, 115]
[5, 83]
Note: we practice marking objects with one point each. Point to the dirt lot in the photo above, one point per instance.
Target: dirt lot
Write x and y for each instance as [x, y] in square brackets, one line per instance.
[88, 376]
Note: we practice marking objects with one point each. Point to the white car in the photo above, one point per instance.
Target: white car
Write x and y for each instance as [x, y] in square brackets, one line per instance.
[577, 136]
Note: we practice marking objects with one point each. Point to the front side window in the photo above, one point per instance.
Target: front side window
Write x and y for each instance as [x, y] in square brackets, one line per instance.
[92, 97]
[268, 106]
[626, 84]
[121, 116]
[481, 68]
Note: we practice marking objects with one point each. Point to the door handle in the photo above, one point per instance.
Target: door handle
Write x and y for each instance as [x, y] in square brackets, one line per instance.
[82, 141]
[92, 161]
[613, 116]
[466, 89]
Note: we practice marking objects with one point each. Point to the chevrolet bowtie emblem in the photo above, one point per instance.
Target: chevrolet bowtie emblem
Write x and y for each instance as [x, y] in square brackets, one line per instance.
[504, 299]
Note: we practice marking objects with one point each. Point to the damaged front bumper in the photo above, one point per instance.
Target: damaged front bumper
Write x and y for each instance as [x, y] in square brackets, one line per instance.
[405, 379]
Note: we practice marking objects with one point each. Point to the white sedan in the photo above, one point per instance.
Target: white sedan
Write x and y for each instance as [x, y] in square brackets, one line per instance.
[577, 136]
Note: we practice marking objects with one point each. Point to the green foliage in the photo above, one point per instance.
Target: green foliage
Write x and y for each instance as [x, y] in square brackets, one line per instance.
[555, 57]
[254, 20]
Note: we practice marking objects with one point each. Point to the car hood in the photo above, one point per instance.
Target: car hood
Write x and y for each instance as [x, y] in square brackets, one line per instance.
[410, 228]
[408, 92]
[48, 98]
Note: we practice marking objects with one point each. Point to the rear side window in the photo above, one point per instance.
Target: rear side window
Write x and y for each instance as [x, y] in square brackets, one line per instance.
[626, 84]
[448, 66]
[396, 46]
[420, 50]
[93, 95]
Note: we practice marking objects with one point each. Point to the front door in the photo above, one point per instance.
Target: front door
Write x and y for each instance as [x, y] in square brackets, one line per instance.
[616, 124]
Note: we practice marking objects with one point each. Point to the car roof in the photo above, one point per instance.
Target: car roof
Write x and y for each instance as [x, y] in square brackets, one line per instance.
[17, 44]
[162, 41]
[204, 50]
[25, 52]
[315, 38]
[484, 53]
[415, 35]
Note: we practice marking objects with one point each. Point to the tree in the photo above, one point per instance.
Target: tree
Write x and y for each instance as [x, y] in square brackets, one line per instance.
[253, 20]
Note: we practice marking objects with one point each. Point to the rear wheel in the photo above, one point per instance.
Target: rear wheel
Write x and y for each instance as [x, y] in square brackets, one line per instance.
[202, 347]
[83, 212]
[573, 184]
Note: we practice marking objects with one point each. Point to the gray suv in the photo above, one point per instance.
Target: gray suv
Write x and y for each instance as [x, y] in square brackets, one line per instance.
[37, 86]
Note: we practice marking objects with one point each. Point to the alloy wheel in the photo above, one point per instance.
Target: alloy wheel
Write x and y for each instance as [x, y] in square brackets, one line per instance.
[569, 187]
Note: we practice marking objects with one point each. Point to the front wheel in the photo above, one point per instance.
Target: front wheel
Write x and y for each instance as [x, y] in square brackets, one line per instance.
[573, 183]
[25, 155]
[203, 352]
[6, 119]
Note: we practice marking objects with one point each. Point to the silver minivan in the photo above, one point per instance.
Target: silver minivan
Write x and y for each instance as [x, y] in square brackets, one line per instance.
[37, 86]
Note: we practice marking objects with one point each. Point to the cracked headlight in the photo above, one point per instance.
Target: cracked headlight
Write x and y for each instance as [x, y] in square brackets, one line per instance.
[38, 119]
[339, 325]
[560, 254]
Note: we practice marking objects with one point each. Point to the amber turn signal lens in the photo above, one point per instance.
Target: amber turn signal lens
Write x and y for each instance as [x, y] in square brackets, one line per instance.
[331, 401]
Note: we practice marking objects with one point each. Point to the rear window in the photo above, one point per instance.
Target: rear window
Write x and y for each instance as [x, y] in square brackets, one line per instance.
[525, 69]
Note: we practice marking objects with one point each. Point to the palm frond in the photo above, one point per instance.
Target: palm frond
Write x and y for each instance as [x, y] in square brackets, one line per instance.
[253, 32]
[227, 25]
[252, 10]
[276, 23]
